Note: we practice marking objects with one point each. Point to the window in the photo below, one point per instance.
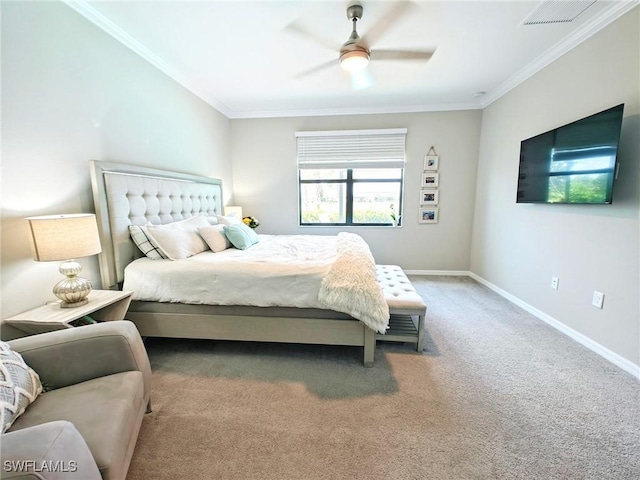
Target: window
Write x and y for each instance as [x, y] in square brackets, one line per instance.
[351, 177]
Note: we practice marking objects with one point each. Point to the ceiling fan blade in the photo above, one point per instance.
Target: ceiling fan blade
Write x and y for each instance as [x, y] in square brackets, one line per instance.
[298, 29]
[402, 54]
[317, 68]
[361, 79]
[382, 25]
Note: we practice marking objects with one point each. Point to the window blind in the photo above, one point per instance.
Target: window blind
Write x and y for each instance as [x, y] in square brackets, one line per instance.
[351, 149]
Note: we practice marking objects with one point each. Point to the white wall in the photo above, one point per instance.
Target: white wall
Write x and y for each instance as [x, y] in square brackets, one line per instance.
[265, 182]
[71, 93]
[518, 248]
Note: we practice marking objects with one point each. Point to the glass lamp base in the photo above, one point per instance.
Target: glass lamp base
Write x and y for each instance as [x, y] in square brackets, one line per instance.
[64, 304]
[73, 290]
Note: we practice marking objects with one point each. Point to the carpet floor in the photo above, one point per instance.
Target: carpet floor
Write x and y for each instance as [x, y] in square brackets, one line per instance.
[496, 394]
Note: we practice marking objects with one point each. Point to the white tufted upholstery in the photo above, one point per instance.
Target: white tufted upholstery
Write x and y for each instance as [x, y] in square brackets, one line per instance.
[398, 290]
[140, 200]
[403, 299]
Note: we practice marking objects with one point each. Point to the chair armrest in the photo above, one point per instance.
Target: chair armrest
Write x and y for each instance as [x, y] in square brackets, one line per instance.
[53, 450]
[67, 357]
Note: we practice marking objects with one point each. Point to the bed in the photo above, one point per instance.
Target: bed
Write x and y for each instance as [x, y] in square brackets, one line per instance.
[127, 195]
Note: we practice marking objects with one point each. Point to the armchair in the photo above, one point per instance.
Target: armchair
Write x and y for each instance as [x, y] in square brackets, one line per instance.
[97, 381]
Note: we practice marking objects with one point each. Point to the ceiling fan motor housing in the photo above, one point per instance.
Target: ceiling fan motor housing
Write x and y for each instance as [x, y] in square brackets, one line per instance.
[354, 47]
[354, 11]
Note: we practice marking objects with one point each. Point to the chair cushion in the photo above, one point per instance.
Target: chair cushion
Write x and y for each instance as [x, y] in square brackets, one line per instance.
[51, 447]
[19, 386]
[107, 411]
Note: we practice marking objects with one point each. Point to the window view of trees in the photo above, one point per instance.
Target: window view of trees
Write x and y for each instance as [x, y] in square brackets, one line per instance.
[349, 196]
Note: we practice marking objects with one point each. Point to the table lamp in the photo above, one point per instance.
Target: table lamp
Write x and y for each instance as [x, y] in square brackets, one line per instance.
[66, 237]
[233, 211]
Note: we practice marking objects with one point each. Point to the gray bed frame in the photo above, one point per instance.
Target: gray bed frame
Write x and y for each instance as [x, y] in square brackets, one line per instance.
[131, 195]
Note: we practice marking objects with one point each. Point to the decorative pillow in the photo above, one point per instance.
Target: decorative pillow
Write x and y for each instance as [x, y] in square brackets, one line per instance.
[229, 220]
[241, 236]
[179, 240]
[215, 237]
[19, 386]
[144, 243]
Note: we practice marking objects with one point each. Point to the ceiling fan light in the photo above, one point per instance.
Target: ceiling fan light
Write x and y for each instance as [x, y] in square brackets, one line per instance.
[354, 61]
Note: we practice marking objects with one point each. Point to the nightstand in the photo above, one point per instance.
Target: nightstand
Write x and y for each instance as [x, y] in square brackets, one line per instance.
[104, 305]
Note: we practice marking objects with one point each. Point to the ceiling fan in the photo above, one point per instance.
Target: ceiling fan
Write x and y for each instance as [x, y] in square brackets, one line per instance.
[356, 53]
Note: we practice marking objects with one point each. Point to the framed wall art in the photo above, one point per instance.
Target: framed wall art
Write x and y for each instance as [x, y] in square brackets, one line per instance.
[431, 163]
[430, 180]
[428, 215]
[428, 196]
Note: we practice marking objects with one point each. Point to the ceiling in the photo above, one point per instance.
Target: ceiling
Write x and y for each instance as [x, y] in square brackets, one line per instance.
[241, 57]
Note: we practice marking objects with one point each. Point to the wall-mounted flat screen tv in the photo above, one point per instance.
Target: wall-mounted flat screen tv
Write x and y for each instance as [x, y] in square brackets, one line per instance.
[575, 163]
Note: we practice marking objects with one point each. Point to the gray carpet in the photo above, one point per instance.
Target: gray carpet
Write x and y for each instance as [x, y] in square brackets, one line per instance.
[496, 394]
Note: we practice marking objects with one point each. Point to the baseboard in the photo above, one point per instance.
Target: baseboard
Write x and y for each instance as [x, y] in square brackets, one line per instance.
[449, 273]
[613, 357]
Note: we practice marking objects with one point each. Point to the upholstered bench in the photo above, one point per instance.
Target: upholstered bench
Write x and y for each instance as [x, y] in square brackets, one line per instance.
[406, 307]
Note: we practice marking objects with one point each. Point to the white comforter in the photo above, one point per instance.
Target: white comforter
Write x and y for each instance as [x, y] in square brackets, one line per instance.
[304, 271]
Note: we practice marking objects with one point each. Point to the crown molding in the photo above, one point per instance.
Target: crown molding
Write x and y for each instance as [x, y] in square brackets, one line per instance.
[612, 13]
[87, 11]
[325, 112]
[95, 17]
[606, 17]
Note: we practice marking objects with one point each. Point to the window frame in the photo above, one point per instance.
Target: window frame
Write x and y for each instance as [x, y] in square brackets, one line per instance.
[350, 151]
[349, 183]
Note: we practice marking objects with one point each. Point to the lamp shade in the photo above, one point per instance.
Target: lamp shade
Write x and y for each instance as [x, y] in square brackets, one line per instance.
[233, 211]
[63, 237]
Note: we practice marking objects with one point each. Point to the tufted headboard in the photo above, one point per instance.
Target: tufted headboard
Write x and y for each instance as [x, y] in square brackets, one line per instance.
[130, 195]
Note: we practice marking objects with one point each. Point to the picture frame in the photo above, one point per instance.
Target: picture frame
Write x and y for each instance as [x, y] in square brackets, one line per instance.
[431, 163]
[428, 215]
[429, 196]
[430, 180]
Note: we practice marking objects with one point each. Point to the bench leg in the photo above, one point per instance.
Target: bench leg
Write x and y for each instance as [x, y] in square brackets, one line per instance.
[369, 346]
[420, 343]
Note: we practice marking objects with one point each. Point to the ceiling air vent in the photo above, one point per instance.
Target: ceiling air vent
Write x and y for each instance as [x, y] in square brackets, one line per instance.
[557, 11]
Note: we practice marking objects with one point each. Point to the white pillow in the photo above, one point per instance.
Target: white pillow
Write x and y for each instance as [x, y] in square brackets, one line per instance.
[229, 220]
[179, 240]
[215, 237]
[143, 242]
[19, 386]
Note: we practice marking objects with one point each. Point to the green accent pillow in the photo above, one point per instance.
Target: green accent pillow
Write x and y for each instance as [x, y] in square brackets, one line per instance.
[241, 236]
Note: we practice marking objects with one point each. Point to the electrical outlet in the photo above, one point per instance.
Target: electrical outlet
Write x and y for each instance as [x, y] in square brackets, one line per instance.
[598, 299]
[554, 282]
